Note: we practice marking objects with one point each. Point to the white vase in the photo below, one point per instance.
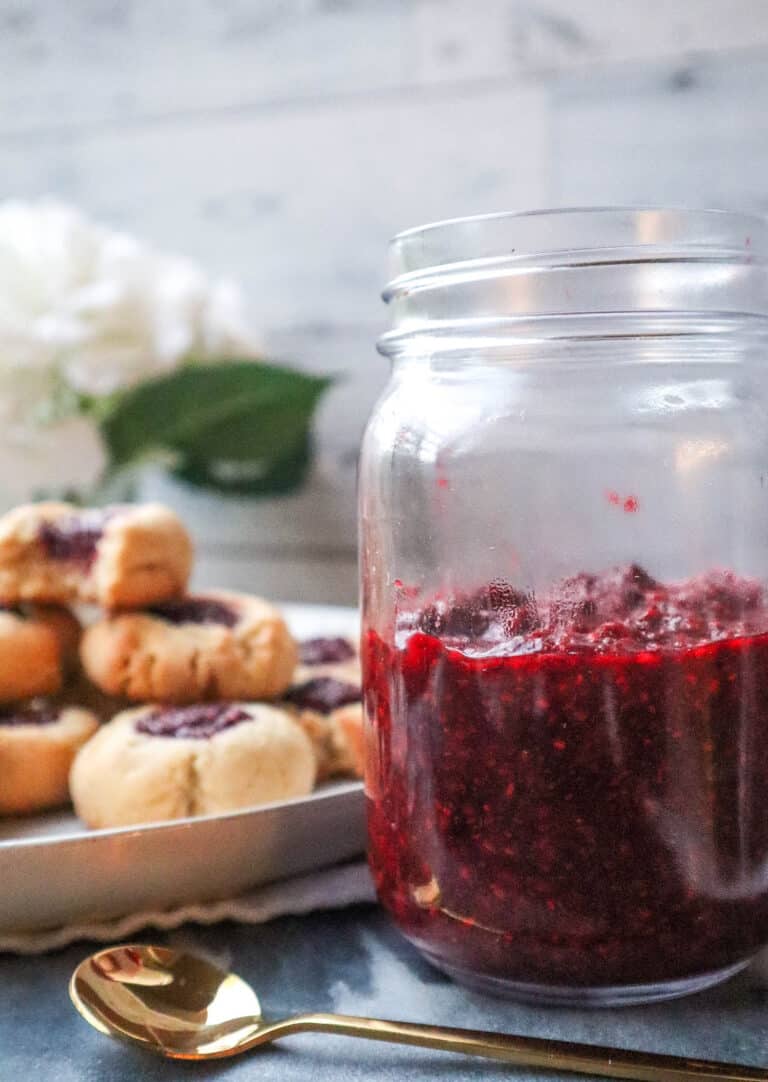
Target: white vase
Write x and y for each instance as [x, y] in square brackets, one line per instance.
[67, 456]
[297, 547]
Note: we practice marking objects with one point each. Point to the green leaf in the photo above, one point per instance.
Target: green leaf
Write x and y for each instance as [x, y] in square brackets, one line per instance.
[234, 425]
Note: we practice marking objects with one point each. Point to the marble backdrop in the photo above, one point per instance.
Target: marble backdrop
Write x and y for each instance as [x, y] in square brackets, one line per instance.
[283, 141]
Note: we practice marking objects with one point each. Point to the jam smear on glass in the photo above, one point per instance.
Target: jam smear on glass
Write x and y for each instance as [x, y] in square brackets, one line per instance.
[323, 694]
[570, 790]
[325, 651]
[198, 722]
[196, 610]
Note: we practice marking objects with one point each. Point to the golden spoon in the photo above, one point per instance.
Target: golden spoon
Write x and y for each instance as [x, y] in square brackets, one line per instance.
[186, 1008]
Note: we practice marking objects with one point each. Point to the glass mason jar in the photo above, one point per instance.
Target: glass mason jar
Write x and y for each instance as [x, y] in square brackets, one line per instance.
[564, 541]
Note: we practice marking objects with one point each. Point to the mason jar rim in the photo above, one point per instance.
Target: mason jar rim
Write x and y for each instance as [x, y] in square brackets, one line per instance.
[623, 264]
[586, 208]
[652, 219]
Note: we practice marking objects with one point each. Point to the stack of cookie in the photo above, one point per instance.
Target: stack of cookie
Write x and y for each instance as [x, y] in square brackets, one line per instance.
[209, 704]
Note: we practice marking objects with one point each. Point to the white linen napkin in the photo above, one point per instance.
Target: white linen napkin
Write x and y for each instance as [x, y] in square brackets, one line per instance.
[332, 888]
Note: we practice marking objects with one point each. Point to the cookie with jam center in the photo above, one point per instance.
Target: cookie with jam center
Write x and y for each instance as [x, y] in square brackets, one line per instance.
[38, 743]
[163, 762]
[220, 645]
[122, 556]
[325, 697]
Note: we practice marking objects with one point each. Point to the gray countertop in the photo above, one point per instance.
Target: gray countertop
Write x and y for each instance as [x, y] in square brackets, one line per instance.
[354, 962]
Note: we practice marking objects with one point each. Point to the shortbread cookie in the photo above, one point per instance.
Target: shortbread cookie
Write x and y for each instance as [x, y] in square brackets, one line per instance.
[325, 696]
[167, 762]
[337, 740]
[119, 557]
[38, 648]
[38, 742]
[205, 647]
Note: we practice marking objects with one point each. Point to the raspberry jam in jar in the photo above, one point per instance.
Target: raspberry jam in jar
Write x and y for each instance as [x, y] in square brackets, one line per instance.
[564, 510]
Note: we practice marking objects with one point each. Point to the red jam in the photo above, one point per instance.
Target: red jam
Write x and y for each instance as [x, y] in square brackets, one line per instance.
[323, 694]
[195, 610]
[198, 722]
[325, 651]
[571, 791]
[75, 538]
[31, 713]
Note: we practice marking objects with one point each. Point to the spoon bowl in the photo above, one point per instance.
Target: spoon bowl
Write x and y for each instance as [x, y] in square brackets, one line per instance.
[185, 1007]
[173, 1002]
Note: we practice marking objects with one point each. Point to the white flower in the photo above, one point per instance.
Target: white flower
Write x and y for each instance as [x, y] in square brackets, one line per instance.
[94, 310]
[101, 309]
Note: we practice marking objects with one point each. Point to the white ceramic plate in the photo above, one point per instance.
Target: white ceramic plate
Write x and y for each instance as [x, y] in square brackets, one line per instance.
[53, 871]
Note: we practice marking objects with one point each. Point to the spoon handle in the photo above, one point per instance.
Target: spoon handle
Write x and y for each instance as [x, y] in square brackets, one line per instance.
[526, 1051]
